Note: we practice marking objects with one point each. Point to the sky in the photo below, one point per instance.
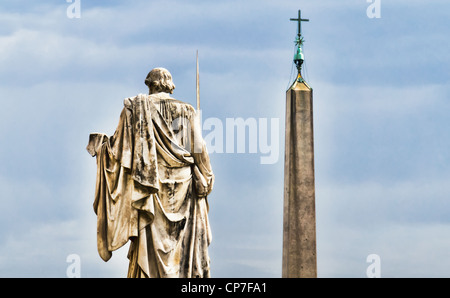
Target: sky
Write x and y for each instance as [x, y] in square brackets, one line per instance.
[381, 87]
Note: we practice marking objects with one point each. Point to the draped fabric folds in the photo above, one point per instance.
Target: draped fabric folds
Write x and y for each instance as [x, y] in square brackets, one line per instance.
[153, 178]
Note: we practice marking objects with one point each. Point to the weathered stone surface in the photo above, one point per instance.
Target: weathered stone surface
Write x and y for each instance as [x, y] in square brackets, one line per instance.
[299, 221]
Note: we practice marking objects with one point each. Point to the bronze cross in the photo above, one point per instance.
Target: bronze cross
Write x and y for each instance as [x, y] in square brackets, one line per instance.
[300, 20]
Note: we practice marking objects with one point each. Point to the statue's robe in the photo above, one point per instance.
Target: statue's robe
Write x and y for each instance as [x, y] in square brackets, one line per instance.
[153, 178]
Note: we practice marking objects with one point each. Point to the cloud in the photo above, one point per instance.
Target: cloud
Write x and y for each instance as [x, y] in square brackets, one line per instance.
[370, 203]
[387, 133]
[405, 251]
[41, 251]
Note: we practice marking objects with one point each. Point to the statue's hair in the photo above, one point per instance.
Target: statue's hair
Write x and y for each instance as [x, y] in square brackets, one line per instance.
[160, 80]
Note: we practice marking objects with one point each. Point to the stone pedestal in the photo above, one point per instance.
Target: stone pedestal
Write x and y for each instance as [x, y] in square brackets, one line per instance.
[299, 221]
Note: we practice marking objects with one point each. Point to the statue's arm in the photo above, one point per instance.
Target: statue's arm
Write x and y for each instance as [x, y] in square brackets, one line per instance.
[202, 172]
[95, 142]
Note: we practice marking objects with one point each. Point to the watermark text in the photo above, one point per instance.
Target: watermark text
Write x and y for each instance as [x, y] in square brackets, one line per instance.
[374, 269]
[374, 9]
[233, 135]
[74, 9]
[74, 268]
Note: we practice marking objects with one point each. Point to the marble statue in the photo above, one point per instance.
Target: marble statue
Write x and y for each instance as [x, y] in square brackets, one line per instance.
[153, 178]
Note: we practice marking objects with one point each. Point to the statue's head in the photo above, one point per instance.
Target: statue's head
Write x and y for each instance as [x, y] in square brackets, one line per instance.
[159, 80]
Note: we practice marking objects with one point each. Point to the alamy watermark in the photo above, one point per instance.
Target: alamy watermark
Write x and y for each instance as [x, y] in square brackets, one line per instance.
[74, 9]
[374, 9]
[74, 268]
[374, 269]
[234, 135]
[240, 135]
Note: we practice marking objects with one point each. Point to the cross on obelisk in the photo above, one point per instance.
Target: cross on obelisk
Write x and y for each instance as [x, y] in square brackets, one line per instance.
[299, 219]
[300, 20]
[299, 57]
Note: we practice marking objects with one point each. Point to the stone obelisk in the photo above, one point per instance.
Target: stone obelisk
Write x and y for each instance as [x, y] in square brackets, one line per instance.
[299, 219]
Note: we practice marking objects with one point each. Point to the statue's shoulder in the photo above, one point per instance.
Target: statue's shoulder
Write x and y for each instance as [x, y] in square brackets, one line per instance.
[130, 101]
[188, 110]
[166, 98]
[185, 104]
